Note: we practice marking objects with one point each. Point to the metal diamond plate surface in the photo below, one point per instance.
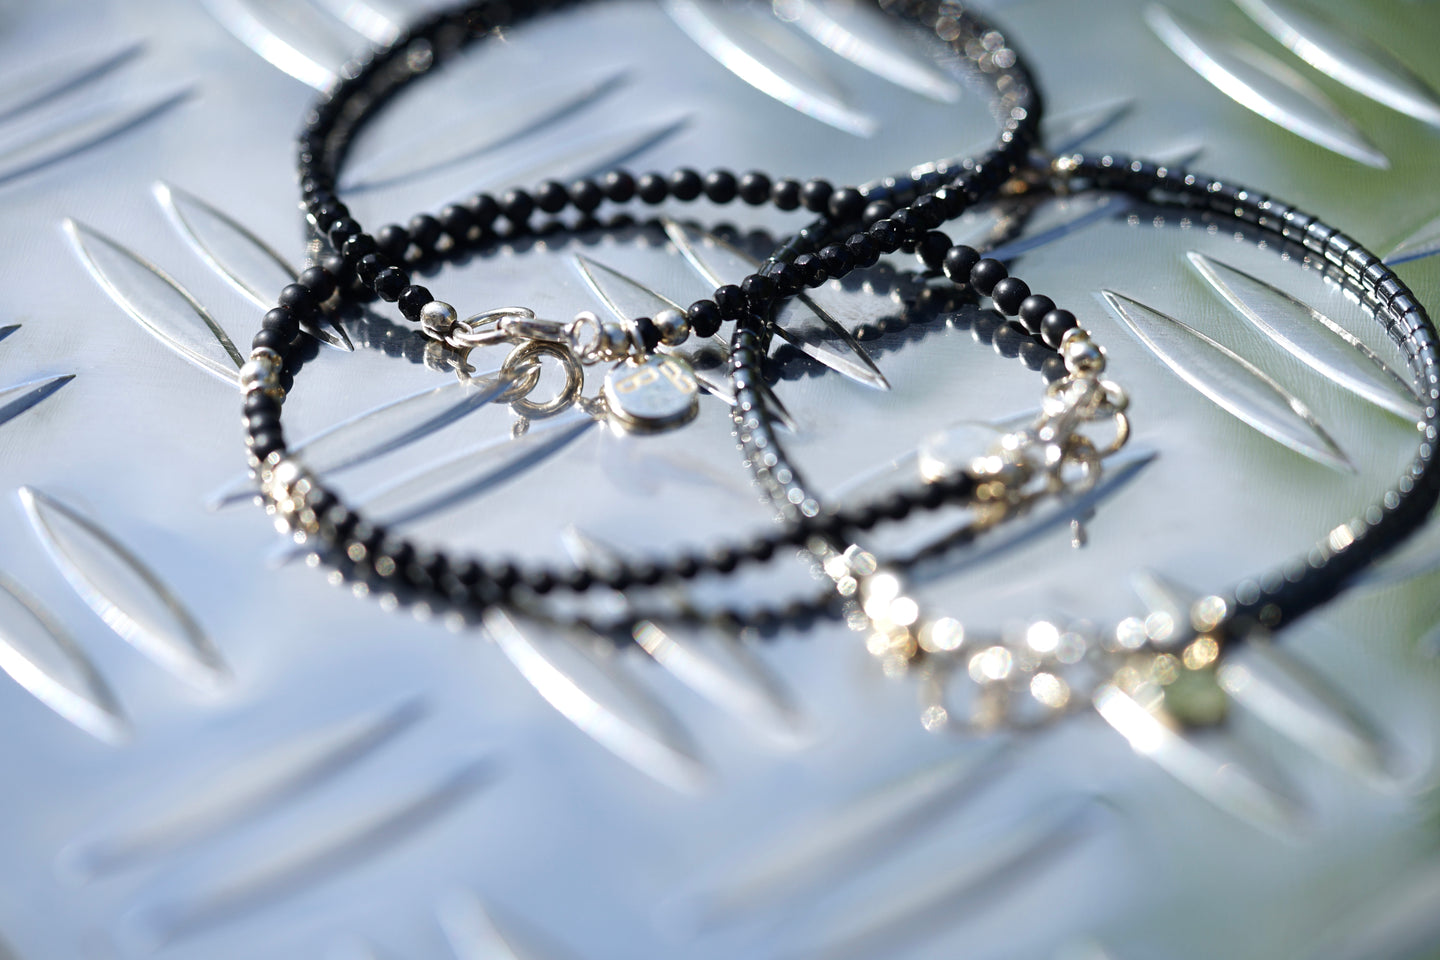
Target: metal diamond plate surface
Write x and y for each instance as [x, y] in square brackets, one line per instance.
[211, 752]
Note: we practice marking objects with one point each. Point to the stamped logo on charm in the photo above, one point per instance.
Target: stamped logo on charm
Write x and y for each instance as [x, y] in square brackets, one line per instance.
[651, 394]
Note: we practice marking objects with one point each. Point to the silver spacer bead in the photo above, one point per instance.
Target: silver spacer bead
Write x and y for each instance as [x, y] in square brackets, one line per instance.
[438, 319]
[261, 371]
[1081, 353]
[673, 325]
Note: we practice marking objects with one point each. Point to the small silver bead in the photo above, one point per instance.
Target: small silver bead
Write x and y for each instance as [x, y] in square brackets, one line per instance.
[1082, 355]
[673, 325]
[260, 373]
[614, 341]
[438, 319]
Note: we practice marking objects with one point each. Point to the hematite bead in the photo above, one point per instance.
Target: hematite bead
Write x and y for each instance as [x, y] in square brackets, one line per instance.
[652, 188]
[786, 194]
[959, 261]
[815, 195]
[846, 204]
[704, 318]
[412, 299]
[932, 249]
[1053, 326]
[619, 186]
[720, 186]
[517, 205]
[1033, 310]
[685, 184]
[754, 188]
[551, 196]
[1009, 293]
[985, 274]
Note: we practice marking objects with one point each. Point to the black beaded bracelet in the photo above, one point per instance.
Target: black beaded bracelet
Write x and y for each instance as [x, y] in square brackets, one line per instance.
[1034, 677]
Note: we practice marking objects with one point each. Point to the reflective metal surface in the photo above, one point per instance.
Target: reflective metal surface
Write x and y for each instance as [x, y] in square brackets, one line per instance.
[212, 753]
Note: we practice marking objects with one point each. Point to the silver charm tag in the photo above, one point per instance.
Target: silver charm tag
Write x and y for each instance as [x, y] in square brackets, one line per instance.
[653, 394]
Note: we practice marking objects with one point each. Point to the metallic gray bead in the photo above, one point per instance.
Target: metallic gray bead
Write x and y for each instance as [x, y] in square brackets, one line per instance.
[438, 319]
[673, 326]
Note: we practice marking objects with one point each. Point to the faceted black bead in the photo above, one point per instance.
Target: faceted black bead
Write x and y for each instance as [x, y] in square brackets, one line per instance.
[551, 196]
[456, 221]
[1033, 311]
[754, 188]
[517, 205]
[648, 332]
[759, 290]
[586, 195]
[959, 261]
[732, 301]
[483, 209]
[887, 235]
[863, 250]
[933, 248]
[299, 299]
[909, 222]
[786, 194]
[846, 204]
[390, 283]
[816, 195]
[425, 230]
[369, 268]
[619, 186]
[412, 299]
[985, 274]
[720, 186]
[393, 240]
[704, 317]
[836, 260]
[812, 269]
[357, 246]
[787, 278]
[685, 184]
[269, 338]
[1053, 326]
[877, 210]
[930, 211]
[1009, 294]
[652, 188]
[328, 213]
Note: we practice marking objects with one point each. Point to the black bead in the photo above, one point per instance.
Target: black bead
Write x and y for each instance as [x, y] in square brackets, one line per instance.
[1009, 294]
[551, 196]
[846, 204]
[358, 246]
[336, 266]
[732, 302]
[652, 188]
[685, 184]
[754, 188]
[393, 240]
[932, 249]
[586, 195]
[1053, 326]
[257, 401]
[812, 269]
[266, 442]
[648, 332]
[299, 299]
[328, 213]
[836, 260]
[886, 234]
[759, 290]
[412, 299]
[930, 211]
[369, 268]
[877, 210]
[985, 274]
[816, 195]
[723, 559]
[271, 339]
[720, 186]
[456, 221]
[909, 221]
[483, 209]
[283, 321]
[704, 317]
[517, 205]
[959, 261]
[619, 186]
[863, 250]
[786, 194]
[1033, 311]
[425, 230]
[787, 278]
[390, 283]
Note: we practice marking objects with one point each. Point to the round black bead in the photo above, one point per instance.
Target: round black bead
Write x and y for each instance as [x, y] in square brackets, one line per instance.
[299, 299]
[425, 230]
[685, 184]
[586, 195]
[412, 299]
[732, 301]
[257, 401]
[985, 274]
[759, 290]
[456, 221]
[786, 194]
[393, 240]
[959, 261]
[846, 204]
[1054, 324]
[932, 249]
[877, 210]
[754, 188]
[483, 209]
[704, 317]
[390, 283]
[720, 186]
[1033, 311]
[271, 339]
[619, 186]
[816, 195]
[652, 188]
[517, 205]
[649, 333]
[551, 196]
[341, 230]
[1009, 294]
